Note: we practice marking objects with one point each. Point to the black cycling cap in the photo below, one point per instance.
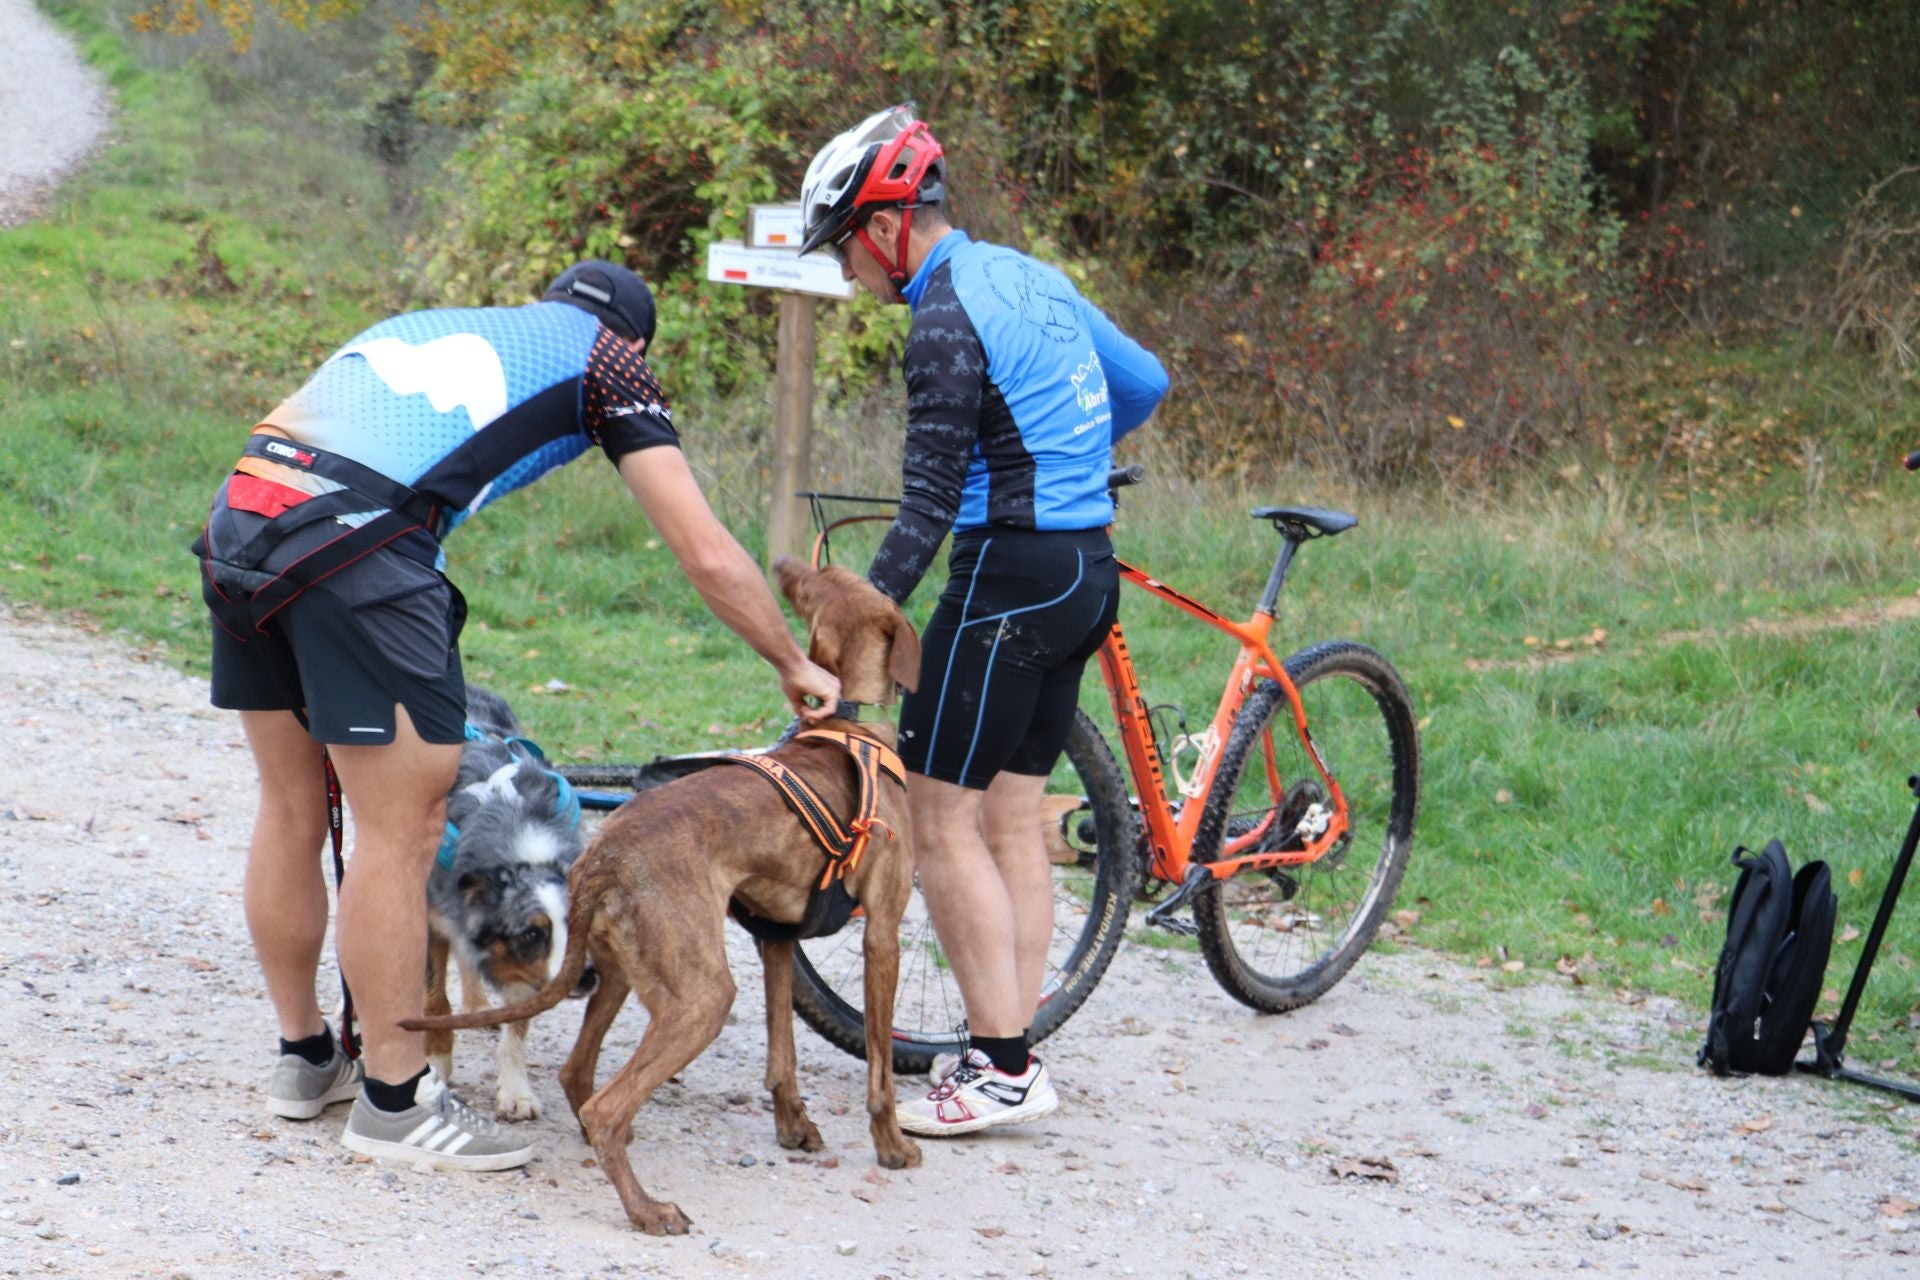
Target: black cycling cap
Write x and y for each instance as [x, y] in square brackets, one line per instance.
[611, 292]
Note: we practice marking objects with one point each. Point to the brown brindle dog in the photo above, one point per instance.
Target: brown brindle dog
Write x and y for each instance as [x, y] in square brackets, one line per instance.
[649, 898]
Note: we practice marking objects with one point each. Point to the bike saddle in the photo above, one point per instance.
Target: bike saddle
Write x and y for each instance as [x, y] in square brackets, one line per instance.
[1318, 519]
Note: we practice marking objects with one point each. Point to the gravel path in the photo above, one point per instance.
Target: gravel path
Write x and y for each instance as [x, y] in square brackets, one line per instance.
[53, 109]
[1423, 1120]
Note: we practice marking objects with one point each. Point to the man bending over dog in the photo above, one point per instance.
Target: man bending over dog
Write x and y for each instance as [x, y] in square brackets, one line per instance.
[336, 633]
[1016, 389]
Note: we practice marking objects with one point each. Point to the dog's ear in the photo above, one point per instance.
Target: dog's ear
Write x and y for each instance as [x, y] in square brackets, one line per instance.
[474, 887]
[903, 663]
[795, 579]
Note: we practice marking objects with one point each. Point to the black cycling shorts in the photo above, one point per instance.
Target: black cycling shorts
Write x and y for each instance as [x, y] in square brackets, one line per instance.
[346, 649]
[1001, 658]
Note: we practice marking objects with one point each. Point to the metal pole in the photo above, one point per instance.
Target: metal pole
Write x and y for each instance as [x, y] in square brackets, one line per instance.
[792, 427]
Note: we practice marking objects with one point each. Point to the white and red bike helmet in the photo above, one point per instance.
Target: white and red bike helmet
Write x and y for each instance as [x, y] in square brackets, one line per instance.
[889, 158]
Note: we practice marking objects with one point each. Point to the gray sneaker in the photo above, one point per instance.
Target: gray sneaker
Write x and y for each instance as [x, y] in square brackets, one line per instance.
[437, 1132]
[300, 1091]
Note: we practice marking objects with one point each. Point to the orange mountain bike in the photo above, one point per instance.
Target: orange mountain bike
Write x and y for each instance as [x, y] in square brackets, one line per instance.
[1277, 846]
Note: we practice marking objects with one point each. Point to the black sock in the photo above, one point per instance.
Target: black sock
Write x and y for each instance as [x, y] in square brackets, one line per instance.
[316, 1049]
[1007, 1053]
[393, 1097]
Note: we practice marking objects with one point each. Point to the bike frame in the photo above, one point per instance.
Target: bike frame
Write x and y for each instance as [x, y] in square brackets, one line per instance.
[1171, 834]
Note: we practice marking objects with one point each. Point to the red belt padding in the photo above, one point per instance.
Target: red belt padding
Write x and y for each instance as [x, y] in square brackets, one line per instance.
[261, 496]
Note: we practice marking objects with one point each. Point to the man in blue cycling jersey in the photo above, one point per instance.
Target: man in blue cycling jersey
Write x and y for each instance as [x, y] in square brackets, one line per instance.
[335, 630]
[1017, 388]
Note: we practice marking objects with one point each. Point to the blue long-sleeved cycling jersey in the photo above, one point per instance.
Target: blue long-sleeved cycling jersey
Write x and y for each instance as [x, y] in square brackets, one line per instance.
[1017, 388]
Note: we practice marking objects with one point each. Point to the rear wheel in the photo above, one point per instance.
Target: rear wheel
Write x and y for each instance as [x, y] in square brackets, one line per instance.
[1279, 939]
[1092, 835]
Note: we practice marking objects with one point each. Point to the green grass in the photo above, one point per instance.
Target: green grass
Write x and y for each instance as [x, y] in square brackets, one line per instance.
[1581, 810]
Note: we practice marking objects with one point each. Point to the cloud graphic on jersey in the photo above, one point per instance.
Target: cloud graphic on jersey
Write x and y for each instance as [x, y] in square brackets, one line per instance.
[461, 370]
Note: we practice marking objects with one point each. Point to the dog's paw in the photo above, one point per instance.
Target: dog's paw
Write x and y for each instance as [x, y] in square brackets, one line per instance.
[661, 1219]
[906, 1156]
[516, 1105]
[805, 1137]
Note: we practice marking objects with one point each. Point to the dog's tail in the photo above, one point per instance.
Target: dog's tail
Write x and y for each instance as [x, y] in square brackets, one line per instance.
[562, 984]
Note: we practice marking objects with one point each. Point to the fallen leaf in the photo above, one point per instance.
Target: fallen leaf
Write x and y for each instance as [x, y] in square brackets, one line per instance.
[991, 1233]
[1007, 1167]
[1342, 1029]
[1660, 907]
[1759, 1124]
[1514, 966]
[1688, 1184]
[1503, 796]
[1849, 934]
[1856, 877]
[1317, 1044]
[1895, 1207]
[200, 966]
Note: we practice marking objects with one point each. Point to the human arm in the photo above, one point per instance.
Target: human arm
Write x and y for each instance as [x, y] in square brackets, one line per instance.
[723, 573]
[946, 375]
[1136, 380]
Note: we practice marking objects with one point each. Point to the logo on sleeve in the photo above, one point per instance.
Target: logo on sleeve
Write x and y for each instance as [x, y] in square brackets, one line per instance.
[1089, 385]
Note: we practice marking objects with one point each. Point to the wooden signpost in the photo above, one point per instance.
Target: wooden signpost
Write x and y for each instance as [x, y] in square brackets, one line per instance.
[769, 259]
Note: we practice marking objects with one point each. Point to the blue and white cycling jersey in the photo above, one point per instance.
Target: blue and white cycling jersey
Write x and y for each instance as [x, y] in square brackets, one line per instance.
[1017, 388]
[465, 406]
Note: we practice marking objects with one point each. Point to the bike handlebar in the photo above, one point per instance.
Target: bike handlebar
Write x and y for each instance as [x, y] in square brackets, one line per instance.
[1132, 473]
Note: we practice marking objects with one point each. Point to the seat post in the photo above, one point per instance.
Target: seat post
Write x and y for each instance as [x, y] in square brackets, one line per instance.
[1290, 543]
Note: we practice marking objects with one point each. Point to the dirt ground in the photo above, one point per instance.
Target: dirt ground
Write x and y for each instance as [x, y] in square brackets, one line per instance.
[1424, 1119]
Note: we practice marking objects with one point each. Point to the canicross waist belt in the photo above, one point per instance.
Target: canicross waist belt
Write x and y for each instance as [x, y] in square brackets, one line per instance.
[843, 841]
[242, 595]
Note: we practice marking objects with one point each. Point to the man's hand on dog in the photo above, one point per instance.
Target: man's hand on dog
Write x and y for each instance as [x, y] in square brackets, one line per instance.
[813, 691]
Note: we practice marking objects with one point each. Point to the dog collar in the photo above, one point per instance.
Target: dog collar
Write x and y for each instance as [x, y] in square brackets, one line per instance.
[846, 709]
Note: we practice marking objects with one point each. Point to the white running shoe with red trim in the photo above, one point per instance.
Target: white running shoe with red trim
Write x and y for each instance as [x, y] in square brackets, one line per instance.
[977, 1095]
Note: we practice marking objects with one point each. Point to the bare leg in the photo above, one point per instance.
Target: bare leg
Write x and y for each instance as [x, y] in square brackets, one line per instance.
[1014, 837]
[398, 794]
[286, 888]
[973, 911]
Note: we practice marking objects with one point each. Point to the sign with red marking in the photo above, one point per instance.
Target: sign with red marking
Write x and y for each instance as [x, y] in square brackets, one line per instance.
[731, 262]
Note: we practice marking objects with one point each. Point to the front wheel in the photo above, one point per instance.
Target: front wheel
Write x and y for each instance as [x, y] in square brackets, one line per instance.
[1282, 938]
[1092, 838]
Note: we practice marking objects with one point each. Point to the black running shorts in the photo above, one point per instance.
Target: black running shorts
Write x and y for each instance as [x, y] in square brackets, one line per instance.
[382, 631]
[1001, 658]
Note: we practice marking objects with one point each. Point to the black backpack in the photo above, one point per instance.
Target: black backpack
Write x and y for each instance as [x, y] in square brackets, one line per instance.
[1779, 931]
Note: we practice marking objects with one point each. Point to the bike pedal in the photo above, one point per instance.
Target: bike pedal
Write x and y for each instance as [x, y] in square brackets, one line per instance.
[1176, 924]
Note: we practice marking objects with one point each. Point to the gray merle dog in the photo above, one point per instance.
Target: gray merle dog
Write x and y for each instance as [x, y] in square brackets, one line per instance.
[497, 898]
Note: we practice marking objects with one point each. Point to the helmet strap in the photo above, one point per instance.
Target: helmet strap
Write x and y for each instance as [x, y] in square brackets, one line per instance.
[896, 269]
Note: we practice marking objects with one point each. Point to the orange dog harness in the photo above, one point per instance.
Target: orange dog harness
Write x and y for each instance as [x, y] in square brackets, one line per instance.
[843, 842]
